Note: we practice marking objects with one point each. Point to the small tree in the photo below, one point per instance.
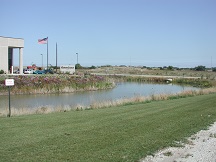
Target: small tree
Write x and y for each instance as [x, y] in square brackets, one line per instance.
[170, 68]
[1, 71]
[200, 68]
[78, 66]
[92, 67]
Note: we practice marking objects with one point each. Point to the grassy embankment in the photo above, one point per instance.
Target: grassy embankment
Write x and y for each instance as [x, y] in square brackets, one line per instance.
[123, 133]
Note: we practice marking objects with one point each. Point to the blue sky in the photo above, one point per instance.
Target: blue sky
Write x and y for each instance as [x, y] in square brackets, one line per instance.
[114, 32]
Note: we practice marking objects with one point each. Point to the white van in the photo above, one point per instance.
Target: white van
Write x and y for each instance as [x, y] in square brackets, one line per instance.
[28, 71]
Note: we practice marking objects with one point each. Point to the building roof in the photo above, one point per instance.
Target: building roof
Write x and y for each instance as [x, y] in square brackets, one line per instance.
[11, 42]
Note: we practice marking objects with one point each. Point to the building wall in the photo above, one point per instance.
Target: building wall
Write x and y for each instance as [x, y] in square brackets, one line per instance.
[5, 43]
[4, 58]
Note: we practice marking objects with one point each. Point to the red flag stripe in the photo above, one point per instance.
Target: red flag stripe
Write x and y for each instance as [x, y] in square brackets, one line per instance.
[42, 41]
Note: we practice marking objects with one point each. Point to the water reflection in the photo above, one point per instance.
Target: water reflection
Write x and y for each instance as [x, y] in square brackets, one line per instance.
[122, 90]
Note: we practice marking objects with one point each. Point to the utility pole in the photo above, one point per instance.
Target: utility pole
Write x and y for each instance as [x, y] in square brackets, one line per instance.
[77, 57]
[56, 57]
[47, 54]
[211, 63]
[42, 60]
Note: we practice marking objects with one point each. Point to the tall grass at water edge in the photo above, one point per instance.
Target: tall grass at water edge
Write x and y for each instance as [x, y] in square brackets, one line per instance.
[106, 104]
[196, 82]
[143, 99]
[55, 84]
[66, 83]
[40, 110]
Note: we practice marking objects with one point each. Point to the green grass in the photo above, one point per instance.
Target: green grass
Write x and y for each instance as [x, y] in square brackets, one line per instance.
[124, 133]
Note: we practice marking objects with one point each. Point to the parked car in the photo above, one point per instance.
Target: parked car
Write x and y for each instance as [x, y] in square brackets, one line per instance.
[39, 72]
[28, 71]
[48, 71]
[17, 71]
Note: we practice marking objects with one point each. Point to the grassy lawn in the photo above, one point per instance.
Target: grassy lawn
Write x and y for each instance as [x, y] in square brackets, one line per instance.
[124, 133]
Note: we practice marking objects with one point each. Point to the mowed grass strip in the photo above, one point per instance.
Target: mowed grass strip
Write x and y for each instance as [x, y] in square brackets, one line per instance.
[124, 133]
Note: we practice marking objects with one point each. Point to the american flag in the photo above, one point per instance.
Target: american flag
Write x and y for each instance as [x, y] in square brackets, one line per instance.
[43, 41]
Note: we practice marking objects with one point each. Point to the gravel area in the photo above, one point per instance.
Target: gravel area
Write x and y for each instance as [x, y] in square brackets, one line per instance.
[200, 147]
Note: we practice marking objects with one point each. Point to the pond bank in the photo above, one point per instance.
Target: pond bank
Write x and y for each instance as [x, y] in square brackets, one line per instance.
[43, 104]
[44, 84]
[188, 80]
[50, 84]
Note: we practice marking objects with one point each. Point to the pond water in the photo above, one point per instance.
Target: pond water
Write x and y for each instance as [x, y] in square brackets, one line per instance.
[122, 90]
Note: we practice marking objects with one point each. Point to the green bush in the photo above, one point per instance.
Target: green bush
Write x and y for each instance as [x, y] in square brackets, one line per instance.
[200, 68]
[1, 71]
[78, 66]
[92, 67]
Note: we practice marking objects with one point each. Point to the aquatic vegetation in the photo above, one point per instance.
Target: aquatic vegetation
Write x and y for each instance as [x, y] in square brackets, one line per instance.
[56, 84]
[195, 82]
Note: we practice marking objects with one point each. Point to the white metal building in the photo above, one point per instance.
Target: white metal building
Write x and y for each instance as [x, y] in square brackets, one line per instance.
[7, 45]
[67, 69]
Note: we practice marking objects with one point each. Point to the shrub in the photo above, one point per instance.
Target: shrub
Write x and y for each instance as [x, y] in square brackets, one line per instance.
[170, 68]
[1, 71]
[92, 67]
[78, 66]
[200, 68]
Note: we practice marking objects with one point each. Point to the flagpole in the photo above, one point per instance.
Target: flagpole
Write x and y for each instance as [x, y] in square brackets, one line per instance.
[56, 57]
[47, 53]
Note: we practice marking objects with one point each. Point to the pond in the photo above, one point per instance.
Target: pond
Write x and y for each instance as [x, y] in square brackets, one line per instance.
[84, 99]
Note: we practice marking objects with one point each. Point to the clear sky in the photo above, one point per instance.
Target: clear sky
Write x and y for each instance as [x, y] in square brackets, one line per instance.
[178, 33]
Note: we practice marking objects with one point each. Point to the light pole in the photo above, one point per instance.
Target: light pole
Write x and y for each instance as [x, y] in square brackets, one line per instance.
[42, 60]
[77, 57]
[211, 62]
